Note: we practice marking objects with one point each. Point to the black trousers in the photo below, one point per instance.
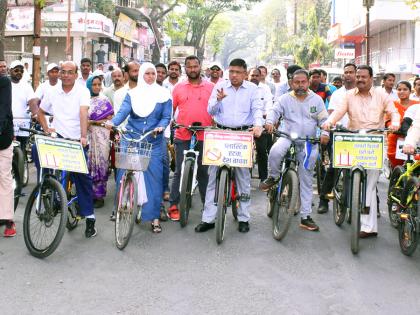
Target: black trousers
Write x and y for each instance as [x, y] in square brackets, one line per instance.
[263, 146]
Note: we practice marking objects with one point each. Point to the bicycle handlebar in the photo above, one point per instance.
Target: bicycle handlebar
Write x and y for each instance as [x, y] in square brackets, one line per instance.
[282, 134]
[42, 133]
[192, 128]
[361, 131]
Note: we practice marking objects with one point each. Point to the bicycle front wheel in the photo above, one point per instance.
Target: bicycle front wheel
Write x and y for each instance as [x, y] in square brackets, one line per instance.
[339, 204]
[285, 204]
[44, 226]
[355, 212]
[186, 193]
[17, 183]
[222, 198]
[126, 211]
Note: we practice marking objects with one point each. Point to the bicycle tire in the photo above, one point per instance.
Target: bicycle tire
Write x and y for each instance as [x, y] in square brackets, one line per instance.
[271, 197]
[17, 184]
[318, 173]
[285, 204]
[393, 215]
[20, 160]
[186, 193]
[126, 211]
[25, 179]
[235, 201]
[355, 211]
[73, 208]
[407, 234]
[339, 209]
[54, 202]
[222, 205]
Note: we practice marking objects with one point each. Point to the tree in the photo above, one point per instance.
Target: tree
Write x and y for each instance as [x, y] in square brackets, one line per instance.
[200, 15]
[3, 14]
[104, 7]
[157, 11]
[216, 34]
[414, 4]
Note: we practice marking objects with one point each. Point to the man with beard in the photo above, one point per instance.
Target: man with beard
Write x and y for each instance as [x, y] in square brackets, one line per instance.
[174, 70]
[22, 93]
[85, 71]
[190, 99]
[302, 111]
[366, 107]
[117, 83]
[265, 141]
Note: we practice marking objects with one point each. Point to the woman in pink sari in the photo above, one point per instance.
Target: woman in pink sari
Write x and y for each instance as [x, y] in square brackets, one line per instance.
[99, 144]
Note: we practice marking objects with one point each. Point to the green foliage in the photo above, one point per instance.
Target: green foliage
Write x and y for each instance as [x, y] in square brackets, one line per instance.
[104, 7]
[414, 4]
[175, 26]
[216, 34]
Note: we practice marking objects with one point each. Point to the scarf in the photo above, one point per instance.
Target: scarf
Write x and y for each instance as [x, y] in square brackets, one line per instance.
[89, 84]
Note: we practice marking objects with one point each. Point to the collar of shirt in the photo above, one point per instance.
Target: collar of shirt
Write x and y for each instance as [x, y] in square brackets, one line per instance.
[243, 85]
[371, 90]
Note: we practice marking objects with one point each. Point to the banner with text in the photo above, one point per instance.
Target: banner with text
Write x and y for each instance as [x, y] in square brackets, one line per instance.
[61, 154]
[355, 149]
[228, 147]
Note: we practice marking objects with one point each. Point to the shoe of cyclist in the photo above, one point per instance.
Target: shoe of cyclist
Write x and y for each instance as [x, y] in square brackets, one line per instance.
[90, 228]
[268, 183]
[308, 224]
[173, 213]
[10, 230]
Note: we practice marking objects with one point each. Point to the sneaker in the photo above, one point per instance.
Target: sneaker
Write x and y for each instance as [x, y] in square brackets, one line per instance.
[173, 213]
[90, 228]
[10, 230]
[112, 217]
[268, 183]
[323, 206]
[308, 224]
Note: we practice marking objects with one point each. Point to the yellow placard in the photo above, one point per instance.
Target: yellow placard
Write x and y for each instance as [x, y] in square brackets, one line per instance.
[125, 27]
[61, 154]
[228, 147]
[356, 149]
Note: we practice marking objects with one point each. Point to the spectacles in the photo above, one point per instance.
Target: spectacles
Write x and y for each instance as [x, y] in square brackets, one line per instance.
[64, 72]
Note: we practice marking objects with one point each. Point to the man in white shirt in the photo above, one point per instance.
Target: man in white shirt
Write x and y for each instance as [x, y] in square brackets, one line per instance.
[388, 85]
[69, 103]
[117, 83]
[265, 141]
[416, 86]
[43, 88]
[22, 93]
[85, 71]
[174, 73]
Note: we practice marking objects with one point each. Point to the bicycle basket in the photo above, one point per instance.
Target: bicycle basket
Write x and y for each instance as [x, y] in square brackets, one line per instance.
[134, 156]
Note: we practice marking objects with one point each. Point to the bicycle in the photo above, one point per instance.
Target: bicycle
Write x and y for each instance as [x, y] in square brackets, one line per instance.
[19, 124]
[284, 196]
[350, 191]
[131, 155]
[189, 173]
[403, 198]
[17, 162]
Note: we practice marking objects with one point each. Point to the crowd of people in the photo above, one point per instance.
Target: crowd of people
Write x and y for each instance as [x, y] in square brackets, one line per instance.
[150, 97]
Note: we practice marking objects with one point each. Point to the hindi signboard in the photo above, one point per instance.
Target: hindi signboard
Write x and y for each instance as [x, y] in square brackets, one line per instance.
[61, 154]
[228, 147]
[355, 149]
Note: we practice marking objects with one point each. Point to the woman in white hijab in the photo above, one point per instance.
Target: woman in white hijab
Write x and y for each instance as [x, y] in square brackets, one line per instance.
[148, 107]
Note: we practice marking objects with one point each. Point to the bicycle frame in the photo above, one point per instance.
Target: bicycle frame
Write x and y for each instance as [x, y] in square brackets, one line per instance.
[191, 154]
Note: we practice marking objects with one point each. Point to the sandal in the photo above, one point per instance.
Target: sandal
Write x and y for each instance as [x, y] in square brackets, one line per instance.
[156, 228]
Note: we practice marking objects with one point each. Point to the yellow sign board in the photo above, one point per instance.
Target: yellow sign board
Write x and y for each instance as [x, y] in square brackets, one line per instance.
[61, 154]
[228, 147]
[125, 27]
[355, 149]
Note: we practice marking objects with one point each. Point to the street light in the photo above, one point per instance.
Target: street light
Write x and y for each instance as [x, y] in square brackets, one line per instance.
[368, 4]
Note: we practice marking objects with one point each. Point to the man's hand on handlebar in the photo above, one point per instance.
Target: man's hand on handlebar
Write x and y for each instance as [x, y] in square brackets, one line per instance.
[257, 130]
[326, 126]
[324, 139]
[408, 149]
[269, 127]
[83, 141]
[393, 127]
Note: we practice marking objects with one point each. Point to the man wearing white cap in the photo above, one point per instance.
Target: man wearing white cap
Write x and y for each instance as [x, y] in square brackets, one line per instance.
[53, 74]
[22, 93]
[216, 73]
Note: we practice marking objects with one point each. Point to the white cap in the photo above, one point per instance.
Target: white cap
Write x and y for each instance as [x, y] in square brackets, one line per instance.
[52, 66]
[16, 63]
[97, 73]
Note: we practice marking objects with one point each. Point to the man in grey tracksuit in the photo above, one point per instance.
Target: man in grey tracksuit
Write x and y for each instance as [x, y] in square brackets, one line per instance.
[302, 112]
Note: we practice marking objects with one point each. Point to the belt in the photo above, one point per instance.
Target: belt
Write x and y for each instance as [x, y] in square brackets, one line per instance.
[233, 128]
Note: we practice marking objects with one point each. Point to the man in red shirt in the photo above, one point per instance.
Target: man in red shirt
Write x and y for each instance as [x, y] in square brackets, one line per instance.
[190, 100]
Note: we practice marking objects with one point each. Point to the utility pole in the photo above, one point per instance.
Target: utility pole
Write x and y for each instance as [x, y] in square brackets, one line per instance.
[68, 44]
[36, 50]
[368, 4]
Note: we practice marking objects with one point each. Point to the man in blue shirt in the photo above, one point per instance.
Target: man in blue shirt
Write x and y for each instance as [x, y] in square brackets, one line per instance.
[235, 104]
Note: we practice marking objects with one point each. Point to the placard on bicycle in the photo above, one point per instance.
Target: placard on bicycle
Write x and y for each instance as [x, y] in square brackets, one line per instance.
[234, 148]
[21, 123]
[60, 154]
[351, 149]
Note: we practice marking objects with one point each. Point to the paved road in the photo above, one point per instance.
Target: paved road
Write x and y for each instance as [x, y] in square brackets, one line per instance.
[181, 272]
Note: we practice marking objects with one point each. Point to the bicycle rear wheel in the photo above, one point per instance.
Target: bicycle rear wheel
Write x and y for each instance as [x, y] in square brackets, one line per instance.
[186, 193]
[355, 211]
[126, 210]
[271, 198]
[396, 192]
[43, 228]
[17, 184]
[285, 204]
[222, 198]
[339, 204]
